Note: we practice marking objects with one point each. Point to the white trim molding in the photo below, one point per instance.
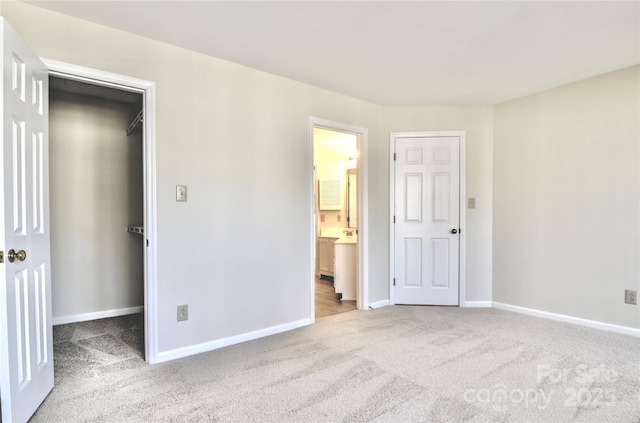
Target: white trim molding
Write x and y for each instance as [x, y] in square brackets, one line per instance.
[232, 340]
[378, 304]
[477, 304]
[75, 318]
[624, 330]
[362, 135]
[148, 91]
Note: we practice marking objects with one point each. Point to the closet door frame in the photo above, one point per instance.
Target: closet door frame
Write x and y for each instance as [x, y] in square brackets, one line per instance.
[148, 91]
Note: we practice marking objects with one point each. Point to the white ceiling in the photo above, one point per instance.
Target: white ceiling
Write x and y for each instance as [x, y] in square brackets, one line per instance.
[391, 52]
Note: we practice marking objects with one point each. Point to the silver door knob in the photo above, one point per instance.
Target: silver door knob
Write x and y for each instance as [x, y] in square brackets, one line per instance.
[12, 255]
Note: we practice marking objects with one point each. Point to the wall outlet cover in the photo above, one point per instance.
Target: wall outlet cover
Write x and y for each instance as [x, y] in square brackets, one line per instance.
[630, 297]
[183, 313]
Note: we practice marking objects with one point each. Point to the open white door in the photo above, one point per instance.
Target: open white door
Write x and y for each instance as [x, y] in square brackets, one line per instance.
[26, 332]
[427, 220]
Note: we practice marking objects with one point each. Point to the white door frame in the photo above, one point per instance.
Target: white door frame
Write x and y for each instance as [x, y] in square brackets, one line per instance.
[148, 91]
[463, 217]
[363, 209]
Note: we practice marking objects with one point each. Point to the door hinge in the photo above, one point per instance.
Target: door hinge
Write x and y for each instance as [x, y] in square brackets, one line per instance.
[394, 219]
[1, 257]
[147, 243]
[394, 157]
[394, 281]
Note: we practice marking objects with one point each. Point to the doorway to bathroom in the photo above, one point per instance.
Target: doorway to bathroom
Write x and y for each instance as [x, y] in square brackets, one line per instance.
[338, 218]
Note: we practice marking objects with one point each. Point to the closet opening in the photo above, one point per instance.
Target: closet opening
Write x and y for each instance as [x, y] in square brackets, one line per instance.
[97, 195]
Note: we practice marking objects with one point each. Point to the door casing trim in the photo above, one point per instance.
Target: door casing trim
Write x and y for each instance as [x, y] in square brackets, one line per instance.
[462, 195]
[148, 90]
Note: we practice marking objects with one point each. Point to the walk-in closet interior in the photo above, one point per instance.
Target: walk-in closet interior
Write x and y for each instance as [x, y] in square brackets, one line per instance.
[96, 201]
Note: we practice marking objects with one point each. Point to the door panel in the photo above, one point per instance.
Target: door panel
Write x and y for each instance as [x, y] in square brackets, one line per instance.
[413, 262]
[440, 196]
[413, 197]
[440, 248]
[26, 344]
[426, 207]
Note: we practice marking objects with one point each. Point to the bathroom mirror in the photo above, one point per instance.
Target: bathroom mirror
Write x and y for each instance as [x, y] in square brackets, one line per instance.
[352, 198]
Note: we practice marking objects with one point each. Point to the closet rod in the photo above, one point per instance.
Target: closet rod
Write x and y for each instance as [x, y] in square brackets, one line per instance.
[137, 120]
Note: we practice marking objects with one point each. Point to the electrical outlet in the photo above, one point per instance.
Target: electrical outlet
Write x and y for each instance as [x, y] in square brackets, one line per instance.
[630, 297]
[181, 193]
[339, 218]
[183, 313]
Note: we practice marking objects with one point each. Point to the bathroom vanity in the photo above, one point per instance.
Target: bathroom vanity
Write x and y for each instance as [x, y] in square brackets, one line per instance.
[345, 278]
[326, 262]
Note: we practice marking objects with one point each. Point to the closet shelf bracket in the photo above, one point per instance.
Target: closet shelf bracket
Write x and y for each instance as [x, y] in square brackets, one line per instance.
[135, 229]
[135, 122]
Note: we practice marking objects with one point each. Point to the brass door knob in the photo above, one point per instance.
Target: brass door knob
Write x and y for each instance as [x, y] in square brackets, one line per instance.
[12, 255]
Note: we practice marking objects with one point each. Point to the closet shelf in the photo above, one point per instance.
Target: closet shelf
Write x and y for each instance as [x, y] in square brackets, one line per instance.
[135, 122]
[135, 229]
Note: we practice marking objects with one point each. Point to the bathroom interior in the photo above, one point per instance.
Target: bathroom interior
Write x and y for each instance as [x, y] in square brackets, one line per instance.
[336, 215]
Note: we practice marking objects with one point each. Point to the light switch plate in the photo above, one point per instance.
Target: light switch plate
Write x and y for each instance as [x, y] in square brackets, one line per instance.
[183, 313]
[471, 203]
[181, 193]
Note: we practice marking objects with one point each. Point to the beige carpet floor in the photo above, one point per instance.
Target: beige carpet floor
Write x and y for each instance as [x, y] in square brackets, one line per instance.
[394, 364]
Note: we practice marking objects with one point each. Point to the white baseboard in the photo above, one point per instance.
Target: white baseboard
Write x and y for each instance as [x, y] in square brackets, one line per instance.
[232, 340]
[625, 330]
[74, 318]
[477, 304]
[379, 304]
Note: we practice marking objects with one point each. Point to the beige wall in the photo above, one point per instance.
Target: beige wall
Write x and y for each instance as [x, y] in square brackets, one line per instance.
[95, 183]
[556, 186]
[566, 199]
[477, 122]
[238, 253]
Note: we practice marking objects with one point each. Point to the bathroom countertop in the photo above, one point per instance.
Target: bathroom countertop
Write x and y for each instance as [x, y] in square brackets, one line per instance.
[347, 240]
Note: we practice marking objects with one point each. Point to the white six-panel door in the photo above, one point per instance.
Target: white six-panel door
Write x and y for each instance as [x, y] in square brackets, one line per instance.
[26, 350]
[427, 220]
